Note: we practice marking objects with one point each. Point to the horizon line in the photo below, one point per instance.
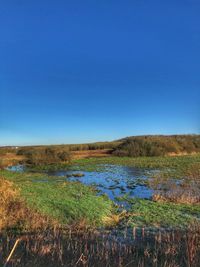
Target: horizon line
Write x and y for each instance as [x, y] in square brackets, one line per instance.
[93, 142]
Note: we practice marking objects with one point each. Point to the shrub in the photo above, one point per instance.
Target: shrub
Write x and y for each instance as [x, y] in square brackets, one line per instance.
[157, 145]
[47, 156]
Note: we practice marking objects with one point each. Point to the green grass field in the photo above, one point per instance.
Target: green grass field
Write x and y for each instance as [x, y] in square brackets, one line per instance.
[75, 203]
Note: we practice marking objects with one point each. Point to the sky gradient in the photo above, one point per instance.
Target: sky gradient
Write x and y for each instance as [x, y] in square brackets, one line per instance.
[84, 71]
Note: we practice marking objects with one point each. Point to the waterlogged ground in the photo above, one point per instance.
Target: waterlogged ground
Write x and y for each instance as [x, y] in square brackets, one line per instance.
[113, 180]
[129, 182]
[150, 234]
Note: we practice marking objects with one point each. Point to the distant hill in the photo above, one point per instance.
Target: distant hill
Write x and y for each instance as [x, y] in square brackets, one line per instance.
[133, 146]
[157, 145]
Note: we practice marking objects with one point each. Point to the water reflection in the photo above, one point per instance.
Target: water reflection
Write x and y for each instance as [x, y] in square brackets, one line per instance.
[113, 180]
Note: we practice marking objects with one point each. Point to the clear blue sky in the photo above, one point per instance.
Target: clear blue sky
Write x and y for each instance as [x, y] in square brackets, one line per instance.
[81, 71]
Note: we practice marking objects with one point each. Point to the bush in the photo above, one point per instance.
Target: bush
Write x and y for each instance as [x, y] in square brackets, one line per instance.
[47, 156]
[158, 145]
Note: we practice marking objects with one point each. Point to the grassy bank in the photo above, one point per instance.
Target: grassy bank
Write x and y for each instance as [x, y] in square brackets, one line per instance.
[66, 203]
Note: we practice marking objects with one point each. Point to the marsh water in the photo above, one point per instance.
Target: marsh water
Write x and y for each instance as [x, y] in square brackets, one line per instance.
[112, 180]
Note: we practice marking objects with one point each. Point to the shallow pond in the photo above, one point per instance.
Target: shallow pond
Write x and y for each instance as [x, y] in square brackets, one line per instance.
[113, 180]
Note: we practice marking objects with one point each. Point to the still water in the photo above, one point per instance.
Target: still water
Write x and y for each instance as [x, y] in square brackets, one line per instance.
[113, 180]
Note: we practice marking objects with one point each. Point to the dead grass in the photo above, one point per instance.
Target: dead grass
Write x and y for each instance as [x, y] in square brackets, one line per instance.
[173, 154]
[137, 247]
[115, 219]
[177, 197]
[91, 153]
[184, 191]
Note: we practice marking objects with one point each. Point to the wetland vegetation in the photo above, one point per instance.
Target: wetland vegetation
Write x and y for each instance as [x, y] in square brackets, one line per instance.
[146, 208]
[96, 249]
